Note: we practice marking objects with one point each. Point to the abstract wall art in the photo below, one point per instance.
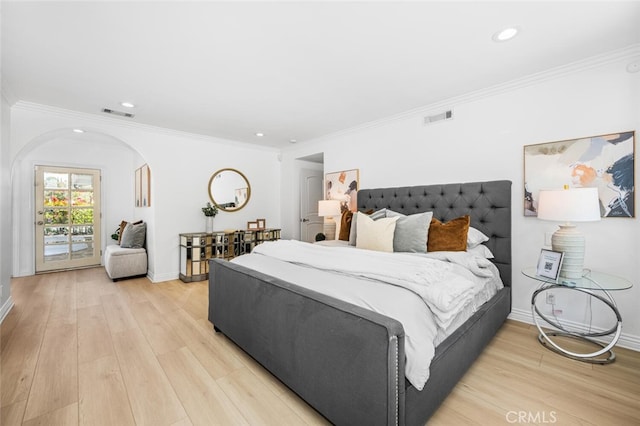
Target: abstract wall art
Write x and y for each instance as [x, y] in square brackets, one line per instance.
[605, 162]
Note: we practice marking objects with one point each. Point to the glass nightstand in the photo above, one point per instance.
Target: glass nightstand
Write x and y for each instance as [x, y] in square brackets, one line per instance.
[594, 284]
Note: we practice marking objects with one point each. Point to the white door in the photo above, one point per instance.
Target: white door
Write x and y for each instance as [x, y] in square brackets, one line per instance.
[67, 221]
[310, 193]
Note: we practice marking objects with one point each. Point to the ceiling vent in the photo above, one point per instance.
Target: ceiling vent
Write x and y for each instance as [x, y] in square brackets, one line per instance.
[120, 113]
[445, 115]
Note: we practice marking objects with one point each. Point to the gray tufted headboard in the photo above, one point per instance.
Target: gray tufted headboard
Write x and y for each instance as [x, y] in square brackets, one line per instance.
[488, 204]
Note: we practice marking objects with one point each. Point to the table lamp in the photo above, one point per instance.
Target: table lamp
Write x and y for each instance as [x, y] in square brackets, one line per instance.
[329, 209]
[569, 205]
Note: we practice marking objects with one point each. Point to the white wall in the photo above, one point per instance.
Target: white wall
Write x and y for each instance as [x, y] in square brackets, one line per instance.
[485, 141]
[181, 165]
[5, 209]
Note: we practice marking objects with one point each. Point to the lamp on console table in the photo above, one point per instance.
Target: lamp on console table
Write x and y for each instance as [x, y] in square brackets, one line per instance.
[329, 209]
[569, 205]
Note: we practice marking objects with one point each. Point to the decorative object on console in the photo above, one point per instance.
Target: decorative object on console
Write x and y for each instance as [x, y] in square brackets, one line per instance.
[229, 189]
[328, 209]
[343, 186]
[605, 162]
[262, 223]
[569, 205]
[210, 212]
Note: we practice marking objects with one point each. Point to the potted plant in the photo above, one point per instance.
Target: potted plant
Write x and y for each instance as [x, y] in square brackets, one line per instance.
[209, 212]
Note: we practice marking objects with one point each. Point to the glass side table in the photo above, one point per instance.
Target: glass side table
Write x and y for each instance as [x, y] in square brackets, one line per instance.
[594, 284]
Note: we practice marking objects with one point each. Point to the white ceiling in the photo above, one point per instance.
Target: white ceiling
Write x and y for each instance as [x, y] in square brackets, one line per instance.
[292, 70]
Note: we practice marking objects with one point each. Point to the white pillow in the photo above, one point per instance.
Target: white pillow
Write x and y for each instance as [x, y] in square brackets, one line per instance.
[353, 232]
[375, 234]
[482, 251]
[475, 238]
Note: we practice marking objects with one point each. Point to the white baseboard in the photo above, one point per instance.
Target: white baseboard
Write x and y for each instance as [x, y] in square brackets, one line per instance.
[5, 309]
[626, 340]
[157, 278]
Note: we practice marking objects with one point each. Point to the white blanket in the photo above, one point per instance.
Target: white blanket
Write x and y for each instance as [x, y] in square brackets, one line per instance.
[442, 286]
[419, 322]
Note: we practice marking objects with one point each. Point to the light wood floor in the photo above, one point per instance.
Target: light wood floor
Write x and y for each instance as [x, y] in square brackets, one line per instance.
[80, 349]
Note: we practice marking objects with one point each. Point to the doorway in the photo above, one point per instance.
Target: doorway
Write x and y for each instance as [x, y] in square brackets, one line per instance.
[310, 193]
[67, 218]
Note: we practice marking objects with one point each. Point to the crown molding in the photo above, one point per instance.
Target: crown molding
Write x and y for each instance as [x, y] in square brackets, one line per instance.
[629, 52]
[115, 122]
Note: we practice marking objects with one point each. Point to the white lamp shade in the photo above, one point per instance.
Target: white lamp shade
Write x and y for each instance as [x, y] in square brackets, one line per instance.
[569, 205]
[329, 208]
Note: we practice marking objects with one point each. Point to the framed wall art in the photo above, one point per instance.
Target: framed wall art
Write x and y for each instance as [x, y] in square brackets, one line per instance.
[605, 162]
[343, 186]
[143, 186]
[138, 187]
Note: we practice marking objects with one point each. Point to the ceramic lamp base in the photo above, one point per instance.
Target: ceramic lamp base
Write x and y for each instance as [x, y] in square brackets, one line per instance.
[568, 240]
[329, 228]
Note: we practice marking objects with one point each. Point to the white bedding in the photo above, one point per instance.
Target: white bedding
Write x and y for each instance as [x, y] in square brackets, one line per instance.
[428, 296]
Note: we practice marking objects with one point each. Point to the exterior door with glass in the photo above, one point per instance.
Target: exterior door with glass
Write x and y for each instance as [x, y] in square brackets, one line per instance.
[67, 222]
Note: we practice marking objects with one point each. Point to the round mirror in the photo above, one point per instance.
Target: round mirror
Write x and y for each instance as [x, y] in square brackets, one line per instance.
[229, 190]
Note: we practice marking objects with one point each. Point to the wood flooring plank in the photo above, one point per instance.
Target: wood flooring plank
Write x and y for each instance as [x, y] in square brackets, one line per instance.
[94, 337]
[64, 416]
[118, 313]
[159, 299]
[55, 383]
[63, 305]
[259, 405]
[12, 414]
[103, 397]
[7, 326]
[18, 363]
[208, 347]
[204, 401]
[158, 332]
[303, 410]
[133, 290]
[89, 292]
[153, 400]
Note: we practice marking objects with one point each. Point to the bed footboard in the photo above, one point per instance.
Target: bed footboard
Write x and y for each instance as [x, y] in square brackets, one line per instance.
[345, 361]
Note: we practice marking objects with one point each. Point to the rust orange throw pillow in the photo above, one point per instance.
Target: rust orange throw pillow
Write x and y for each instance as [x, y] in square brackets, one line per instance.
[449, 236]
[345, 225]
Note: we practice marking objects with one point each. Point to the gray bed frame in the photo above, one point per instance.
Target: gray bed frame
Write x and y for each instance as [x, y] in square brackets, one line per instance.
[346, 361]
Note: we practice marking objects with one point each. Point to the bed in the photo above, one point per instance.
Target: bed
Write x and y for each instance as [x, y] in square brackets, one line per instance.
[347, 361]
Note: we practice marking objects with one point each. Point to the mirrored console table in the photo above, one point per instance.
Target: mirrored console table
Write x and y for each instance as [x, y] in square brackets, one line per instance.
[196, 248]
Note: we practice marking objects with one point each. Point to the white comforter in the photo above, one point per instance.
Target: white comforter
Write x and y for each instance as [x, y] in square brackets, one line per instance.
[440, 286]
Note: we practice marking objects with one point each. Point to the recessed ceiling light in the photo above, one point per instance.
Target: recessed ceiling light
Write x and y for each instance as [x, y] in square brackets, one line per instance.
[292, 141]
[78, 130]
[259, 134]
[506, 34]
[127, 104]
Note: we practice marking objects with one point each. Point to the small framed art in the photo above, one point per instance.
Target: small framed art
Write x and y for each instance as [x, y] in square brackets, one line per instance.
[252, 226]
[549, 263]
[262, 223]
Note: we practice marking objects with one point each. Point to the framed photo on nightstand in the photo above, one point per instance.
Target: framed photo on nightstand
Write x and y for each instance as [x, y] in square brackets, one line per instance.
[549, 263]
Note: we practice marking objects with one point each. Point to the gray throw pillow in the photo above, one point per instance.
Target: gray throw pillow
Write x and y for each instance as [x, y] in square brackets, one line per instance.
[133, 236]
[412, 231]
